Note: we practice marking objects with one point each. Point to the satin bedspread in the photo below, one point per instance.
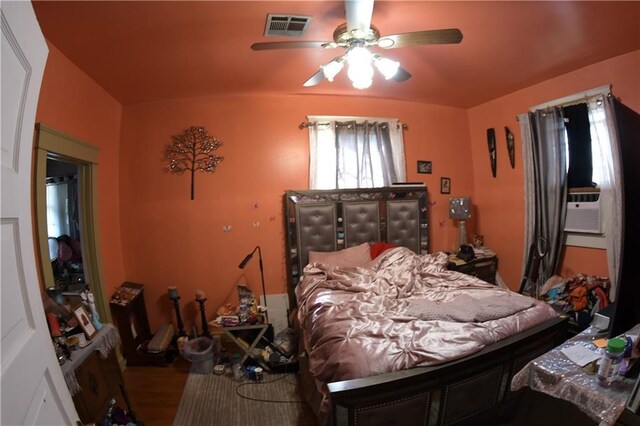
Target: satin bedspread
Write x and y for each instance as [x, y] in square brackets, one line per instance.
[402, 310]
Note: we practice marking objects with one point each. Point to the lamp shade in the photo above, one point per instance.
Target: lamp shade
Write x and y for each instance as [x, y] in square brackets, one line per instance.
[460, 208]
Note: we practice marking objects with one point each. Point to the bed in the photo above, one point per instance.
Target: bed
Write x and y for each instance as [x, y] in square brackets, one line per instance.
[400, 339]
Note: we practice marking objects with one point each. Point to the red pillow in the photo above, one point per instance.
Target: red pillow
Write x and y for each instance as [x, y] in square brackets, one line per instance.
[376, 249]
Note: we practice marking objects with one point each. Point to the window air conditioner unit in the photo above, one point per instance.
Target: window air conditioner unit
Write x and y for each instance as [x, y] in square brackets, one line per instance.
[583, 213]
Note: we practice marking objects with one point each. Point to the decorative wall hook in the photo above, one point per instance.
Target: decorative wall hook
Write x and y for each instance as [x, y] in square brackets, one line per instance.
[192, 150]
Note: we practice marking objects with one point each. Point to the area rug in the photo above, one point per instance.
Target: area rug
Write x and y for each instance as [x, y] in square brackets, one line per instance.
[209, 399]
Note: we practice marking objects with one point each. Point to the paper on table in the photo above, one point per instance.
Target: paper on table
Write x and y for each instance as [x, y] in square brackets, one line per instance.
[581, 355]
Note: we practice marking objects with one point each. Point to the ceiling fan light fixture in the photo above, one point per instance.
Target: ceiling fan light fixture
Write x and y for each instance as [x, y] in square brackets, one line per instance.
[387, 67]
[360, 70]
[331, 69]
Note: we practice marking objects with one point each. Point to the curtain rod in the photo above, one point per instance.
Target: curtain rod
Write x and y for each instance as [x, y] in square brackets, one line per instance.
[574, 99]
[307, 124]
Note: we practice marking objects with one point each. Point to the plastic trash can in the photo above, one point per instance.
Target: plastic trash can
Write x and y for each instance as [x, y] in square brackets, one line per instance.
[200, 352]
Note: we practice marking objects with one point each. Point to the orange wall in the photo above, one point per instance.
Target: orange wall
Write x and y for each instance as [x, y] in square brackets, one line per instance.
[582, 260]
[170, 240]
[74, 104]
[500, 201]
[154, 234]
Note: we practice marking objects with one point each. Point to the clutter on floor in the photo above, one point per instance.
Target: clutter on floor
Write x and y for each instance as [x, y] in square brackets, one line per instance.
[580, 297]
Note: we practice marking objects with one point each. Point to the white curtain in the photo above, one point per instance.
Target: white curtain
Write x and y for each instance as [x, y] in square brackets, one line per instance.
[605, 146]
[355, 152]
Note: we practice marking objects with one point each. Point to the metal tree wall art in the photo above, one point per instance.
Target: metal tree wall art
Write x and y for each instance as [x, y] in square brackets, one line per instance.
[192, 150]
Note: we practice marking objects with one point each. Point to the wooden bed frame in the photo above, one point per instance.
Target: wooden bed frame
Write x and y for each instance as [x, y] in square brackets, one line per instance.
[469, 391]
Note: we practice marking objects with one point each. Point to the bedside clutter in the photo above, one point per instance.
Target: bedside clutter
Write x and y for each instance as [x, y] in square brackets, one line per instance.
[565, 375]
[483, 264]
[580, 298]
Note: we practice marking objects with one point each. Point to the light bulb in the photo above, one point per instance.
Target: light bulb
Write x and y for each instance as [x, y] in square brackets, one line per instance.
[387, 67]
[360, 70]
[332, 68]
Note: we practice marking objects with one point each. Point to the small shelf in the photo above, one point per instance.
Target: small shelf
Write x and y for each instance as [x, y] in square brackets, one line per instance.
[130, 317]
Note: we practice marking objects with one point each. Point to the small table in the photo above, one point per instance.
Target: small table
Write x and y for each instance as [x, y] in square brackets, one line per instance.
[248, 350]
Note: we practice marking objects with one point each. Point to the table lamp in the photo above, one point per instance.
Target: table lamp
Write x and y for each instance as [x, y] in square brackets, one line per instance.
[460, 210]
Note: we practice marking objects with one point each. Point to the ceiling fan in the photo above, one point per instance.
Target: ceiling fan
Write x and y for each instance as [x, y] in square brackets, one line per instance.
[357, 36]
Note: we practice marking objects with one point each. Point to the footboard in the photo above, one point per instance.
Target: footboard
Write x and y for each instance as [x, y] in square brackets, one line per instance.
[469, 391]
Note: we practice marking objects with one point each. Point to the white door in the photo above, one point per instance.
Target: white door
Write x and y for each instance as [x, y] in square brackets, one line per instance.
[33, 388]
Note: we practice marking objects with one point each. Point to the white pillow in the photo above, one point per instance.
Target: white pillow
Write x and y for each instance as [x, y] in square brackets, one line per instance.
[357, 256]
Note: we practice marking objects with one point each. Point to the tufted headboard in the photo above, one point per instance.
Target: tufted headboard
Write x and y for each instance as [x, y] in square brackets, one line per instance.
[331, 220]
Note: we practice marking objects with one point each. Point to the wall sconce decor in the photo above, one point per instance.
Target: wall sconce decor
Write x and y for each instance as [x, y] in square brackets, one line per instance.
[192, 150]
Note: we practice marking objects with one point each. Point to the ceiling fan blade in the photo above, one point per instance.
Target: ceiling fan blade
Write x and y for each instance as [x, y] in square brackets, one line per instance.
[315, 79]
[288, 45]
[401, 75]
[358, 14]
[448, 36]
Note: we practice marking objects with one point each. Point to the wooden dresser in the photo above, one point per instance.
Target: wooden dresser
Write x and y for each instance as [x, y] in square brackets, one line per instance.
[94, 380]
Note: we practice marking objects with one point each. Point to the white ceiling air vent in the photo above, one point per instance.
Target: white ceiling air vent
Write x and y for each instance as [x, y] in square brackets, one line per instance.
[286, 25]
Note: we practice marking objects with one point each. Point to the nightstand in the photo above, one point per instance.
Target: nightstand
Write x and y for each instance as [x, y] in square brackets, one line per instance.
[482, 267]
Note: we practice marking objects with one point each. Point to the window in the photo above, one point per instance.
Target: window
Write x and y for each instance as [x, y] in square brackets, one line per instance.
[355, 152]
[590, 160]
[57, 209]
[585, 131]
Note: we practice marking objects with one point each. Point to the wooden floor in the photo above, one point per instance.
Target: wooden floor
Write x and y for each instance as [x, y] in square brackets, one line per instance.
[154, 392]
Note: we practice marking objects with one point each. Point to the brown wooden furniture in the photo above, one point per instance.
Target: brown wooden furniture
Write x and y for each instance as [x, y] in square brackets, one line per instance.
[470, 391]
[484, 268]
[101, 381]
[94, 377]
[130, 317]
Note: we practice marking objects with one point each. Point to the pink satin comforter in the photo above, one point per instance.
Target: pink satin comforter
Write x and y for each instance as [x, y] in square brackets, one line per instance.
[403, 310]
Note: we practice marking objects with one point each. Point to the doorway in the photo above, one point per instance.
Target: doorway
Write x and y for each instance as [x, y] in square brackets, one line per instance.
[66, 171]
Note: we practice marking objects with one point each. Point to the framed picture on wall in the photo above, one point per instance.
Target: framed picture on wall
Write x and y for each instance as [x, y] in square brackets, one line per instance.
[85, 321]
[424, 167]
[445, 185]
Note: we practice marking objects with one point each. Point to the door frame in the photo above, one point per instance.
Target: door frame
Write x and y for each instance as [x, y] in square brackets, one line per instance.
[50, 143]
